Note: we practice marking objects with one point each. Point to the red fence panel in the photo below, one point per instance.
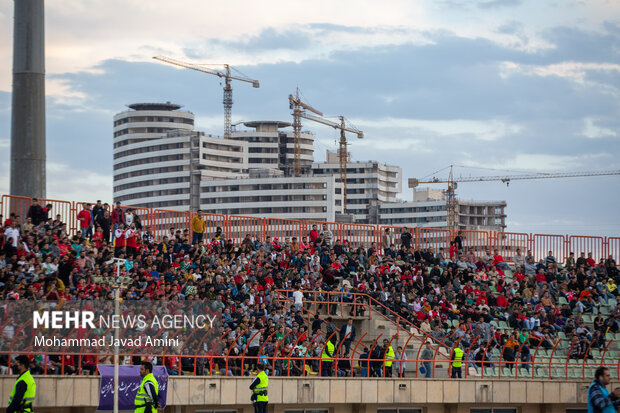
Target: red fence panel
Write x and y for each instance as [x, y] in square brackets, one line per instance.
[62, 208]
[283, 229]
[613, 248]
[507, 243]
[434, 238]
[357, 234]
[240, 226]
[18, 205]
[478, 240]
[144, 215]
[213, 222]
[580, 243]
[393, 235]
[334, 227]
[543, 243]
[165, 222]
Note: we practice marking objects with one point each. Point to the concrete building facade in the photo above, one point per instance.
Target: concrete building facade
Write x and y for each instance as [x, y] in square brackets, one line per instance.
[160, 161]
[187, 394]
[367, 182]
[428, 210]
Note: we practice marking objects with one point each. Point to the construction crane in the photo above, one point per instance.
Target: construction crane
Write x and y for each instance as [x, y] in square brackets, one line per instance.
[298, 107]
[225, 73]
[299, 111]
[453, 183]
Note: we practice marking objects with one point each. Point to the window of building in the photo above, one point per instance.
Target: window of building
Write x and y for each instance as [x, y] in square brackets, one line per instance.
[498, 410]
[216, 411]
[400, 410]
[307, 411]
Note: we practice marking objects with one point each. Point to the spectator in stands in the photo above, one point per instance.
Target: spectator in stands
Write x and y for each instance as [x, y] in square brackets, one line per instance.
[427, 355]
[198, 228]
[405, 238]
[328, 236]
[36, 212]
[347, 335]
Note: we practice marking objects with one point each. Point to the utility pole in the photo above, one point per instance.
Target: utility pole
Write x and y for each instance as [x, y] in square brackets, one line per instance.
[117, 284]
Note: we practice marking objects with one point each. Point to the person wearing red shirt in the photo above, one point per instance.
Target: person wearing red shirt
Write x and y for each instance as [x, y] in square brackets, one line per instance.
[131, 241]
[98, 238]
[590, 260]
[119, 240]
[502, 301]
[86, 221]
[314, 234]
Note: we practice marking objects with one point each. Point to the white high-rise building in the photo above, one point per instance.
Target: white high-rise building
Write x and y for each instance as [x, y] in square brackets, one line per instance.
[160, 161]
[367, 182]
[428, 210]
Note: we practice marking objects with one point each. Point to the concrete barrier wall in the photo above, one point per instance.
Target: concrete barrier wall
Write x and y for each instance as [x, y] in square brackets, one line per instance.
[186, 394]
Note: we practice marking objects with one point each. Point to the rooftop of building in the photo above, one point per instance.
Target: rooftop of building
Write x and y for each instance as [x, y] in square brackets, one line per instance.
[259, 123]
[154, 106]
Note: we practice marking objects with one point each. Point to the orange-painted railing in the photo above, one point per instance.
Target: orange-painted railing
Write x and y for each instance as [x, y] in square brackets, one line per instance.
[284, 362]
[162, 221]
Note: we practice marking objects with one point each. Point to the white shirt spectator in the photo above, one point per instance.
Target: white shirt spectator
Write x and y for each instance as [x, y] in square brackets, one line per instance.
[299, 297]
[12, 234]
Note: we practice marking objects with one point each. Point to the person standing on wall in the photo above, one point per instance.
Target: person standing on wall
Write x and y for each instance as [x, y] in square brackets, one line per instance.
[599, 398]
[259, 386]
[24, 390]
[147, 398]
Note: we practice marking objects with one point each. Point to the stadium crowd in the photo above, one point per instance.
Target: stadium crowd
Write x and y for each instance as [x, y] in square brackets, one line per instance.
[456, 296]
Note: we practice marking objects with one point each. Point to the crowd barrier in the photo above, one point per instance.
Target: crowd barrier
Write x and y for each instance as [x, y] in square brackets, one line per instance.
[162, 221]
[541, 364]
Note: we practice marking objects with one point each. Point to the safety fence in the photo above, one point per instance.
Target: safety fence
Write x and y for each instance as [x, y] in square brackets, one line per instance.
[164, 222]
[288, 357]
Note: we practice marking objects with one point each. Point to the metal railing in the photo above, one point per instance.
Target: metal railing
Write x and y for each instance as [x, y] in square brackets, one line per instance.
[235, 227]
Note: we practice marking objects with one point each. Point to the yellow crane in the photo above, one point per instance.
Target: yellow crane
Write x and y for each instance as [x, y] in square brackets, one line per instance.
[225, 73]
[299, 111]
[453, 183]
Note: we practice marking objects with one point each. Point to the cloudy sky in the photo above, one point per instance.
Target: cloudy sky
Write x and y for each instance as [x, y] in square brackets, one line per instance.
[507, 85]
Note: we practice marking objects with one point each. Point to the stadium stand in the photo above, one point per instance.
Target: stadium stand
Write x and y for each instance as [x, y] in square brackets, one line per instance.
[519, 305]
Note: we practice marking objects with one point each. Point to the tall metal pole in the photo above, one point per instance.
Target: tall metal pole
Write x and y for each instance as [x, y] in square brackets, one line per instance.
[117, 292]
[28, 107]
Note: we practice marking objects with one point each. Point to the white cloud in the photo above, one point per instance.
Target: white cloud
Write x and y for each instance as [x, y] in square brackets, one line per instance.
[594, 132]
[488, 130]
[575, 71]
[66, 183]
[542, 162]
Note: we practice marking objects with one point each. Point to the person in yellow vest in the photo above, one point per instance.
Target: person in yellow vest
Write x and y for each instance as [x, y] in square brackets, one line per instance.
[259, 387]
[24, 389]
[198, 228]
[388, 357]
[327, 358]
[147, 398]
[457, 361]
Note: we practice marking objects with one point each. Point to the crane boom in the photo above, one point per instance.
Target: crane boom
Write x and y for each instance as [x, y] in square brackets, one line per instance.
[298, 107]
[452, 183]
[202, 68]
[335, 125]
[507, 178]
[219, 73]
